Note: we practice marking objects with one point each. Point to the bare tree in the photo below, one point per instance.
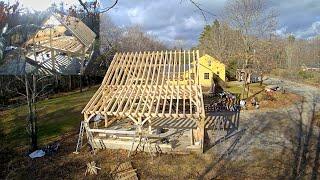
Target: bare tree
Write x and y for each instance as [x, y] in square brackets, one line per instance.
[110, 34]
[220, 41]
[86, 6]
[253, 19]
[135, 39]
[179, 43]
[34, 88]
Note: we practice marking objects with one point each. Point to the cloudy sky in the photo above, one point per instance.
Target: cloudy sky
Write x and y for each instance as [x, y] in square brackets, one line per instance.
[179, 19]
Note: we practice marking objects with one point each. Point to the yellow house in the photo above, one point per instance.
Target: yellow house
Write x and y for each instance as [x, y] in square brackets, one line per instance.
[208, 67]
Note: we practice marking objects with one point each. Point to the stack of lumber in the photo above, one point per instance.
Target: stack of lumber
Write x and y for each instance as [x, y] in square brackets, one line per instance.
[124, 171]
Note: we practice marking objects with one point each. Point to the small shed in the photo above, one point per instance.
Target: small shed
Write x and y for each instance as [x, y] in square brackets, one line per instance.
[248, 74]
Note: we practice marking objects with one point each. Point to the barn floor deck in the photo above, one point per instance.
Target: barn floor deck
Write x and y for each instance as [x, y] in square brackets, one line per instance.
[169, 135]
[167, 139]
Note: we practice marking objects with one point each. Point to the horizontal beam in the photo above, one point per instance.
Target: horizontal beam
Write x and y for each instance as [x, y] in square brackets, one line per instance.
[108, 131]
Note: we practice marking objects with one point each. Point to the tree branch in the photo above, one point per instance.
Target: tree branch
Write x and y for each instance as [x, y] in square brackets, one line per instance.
[43, 89]
[84, 6]
[202, 11]
[112, 6]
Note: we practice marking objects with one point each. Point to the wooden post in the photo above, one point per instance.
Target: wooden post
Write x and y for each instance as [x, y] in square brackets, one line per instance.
[139, 125]
[201, 133]
[191, 137]
[82, 67]
[52, 51]
[85, 116]
[105, 120]
[150, 128]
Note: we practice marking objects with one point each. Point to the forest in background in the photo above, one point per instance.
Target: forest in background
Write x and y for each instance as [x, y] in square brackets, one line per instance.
[246, 34]
[238, 42]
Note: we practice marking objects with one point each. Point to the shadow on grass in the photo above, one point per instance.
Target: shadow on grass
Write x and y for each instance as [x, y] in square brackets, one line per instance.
[269, 133]
[306, 142]
[225, 122]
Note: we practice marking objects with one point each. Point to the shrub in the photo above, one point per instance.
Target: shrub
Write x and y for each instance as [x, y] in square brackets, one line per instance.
[305, 74]
[231, 70]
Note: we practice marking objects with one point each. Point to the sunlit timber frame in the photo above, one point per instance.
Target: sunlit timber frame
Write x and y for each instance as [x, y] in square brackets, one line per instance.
[147, 85]
[52, 38]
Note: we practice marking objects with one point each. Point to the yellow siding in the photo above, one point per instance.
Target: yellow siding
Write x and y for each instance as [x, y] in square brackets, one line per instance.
[216, 67]
[212, 66]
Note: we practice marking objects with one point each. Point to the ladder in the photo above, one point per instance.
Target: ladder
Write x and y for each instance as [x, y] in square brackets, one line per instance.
[80, 138]
[90, 138]
[143, 141]
[83, 127]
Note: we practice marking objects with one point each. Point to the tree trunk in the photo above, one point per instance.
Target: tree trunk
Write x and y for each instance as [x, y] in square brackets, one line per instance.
[261, 79]
[32, 117]
[80, 82]
[70, 82]
[88, 81]
[57, 90]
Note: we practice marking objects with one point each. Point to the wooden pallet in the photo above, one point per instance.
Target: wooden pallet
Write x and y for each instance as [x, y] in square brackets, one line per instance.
[124, 171]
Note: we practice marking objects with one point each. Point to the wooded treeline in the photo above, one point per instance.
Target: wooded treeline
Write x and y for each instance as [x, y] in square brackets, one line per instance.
[245, 35]
[125, 39]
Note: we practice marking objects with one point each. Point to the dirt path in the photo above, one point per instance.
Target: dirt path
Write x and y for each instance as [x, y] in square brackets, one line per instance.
[279, 135]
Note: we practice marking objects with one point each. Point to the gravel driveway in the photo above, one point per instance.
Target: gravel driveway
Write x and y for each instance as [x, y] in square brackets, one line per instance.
[272, 131]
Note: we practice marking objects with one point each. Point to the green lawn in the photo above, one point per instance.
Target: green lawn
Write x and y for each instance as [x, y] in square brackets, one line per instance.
[55, 117]
[308, 77]
[237, 88]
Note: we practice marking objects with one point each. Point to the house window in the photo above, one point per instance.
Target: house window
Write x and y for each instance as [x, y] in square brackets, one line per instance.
[206, 75]
[209, 63]
[192, 75]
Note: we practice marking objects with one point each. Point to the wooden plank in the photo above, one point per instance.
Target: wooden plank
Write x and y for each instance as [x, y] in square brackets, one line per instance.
[167, 84]
[178, 84]
[135, 88]
[148, 103]
[109, 131]
[128, 61]
[97, 95]
[185, 83]
[116, 76]
[132, 91]
[127, 89]
[144, 60]
[173, 79]
[190, 84]
[157, 82]
[145, 85]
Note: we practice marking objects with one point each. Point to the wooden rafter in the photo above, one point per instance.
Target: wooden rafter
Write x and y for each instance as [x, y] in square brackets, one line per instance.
[53, 38]
[63, 43]
[150, 84]
[81, 31]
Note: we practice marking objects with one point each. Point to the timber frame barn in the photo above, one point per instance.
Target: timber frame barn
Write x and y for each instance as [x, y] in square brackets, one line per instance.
[62, 45]
[144, 87]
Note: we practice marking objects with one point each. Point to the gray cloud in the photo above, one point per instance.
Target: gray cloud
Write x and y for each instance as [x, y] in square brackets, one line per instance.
[298, 17]
[179, 19]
